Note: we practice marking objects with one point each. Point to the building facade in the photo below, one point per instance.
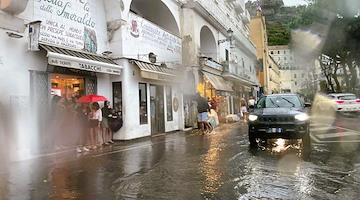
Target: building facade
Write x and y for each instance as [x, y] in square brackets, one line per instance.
[148, 66]
[258, 35]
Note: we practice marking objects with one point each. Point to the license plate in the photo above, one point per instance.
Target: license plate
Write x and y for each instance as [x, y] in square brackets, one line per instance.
[275, 130]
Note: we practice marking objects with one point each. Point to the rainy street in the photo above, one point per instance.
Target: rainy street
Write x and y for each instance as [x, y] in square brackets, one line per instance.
[187, 165]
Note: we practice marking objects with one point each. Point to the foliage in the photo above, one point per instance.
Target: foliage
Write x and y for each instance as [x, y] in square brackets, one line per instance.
[278, 34]
[336, 23]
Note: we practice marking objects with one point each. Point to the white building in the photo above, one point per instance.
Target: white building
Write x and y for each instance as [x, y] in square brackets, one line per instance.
[143, 63]
[217, 47]
[293, 72]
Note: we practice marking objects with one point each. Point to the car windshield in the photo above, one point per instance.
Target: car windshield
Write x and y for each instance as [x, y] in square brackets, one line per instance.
[347, 97]
[279, 102]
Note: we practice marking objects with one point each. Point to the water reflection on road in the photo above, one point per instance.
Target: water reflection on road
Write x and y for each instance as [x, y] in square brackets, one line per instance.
[188, 166]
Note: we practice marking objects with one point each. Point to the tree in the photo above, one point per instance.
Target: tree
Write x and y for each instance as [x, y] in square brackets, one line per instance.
[338, 24]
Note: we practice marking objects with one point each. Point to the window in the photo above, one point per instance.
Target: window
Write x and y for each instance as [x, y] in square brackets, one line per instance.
[169, 113]
[271, 52]
[295, 83]
[227, 55]
[117, 98]
[278, 52]
[284, 58]
[284, 52]
[143, 103]
[294, 75]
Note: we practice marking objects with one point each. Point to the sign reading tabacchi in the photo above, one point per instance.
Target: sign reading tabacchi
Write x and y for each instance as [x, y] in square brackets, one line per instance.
[67, 23]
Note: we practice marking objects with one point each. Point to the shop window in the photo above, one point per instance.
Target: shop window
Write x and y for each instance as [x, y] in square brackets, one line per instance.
[117, 98]
[143, 103]
[169, 113]
[67, 86]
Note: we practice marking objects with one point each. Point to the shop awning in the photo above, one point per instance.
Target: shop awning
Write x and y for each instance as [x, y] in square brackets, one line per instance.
[63, 57]
[156, 72]
[218, 82]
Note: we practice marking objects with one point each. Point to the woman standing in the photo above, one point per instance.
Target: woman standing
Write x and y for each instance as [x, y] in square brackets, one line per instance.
[94, 123]
[106, 112]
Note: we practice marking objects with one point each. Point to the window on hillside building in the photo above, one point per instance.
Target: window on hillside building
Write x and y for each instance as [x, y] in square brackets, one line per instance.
[226, 55]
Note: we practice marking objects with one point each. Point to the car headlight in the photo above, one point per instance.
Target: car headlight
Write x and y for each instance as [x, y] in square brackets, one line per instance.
[253, 117]
[302, 117]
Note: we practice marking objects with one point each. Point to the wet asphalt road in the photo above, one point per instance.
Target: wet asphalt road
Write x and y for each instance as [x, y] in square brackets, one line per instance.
[186, 165]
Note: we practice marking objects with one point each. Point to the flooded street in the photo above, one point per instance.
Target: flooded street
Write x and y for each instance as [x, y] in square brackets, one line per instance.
[186, 165]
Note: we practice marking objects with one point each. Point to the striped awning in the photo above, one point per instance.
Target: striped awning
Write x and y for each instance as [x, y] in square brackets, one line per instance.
[156, 72]
[218, 82]
[64, 57]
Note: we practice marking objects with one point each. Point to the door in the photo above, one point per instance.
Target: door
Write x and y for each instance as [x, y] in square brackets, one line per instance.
[157, 109]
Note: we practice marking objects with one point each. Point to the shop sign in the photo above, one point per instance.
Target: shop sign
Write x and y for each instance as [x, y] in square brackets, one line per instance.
[213, 65]
[222, 93]
[83, 66]
[68, 23]
[147, 32]
[157, 76]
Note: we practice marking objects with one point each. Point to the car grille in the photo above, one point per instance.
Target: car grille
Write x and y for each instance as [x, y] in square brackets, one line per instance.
[277, 119]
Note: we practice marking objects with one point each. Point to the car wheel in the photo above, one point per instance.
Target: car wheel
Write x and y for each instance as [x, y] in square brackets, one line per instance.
[252, 141]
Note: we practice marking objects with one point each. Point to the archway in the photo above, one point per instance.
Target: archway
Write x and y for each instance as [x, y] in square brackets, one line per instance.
[207, 43]
[156, 12]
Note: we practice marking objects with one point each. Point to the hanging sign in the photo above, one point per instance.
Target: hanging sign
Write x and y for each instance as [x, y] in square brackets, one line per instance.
[68, 23]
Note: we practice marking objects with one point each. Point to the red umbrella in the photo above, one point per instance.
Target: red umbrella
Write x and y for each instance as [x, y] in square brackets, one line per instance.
[91, 98]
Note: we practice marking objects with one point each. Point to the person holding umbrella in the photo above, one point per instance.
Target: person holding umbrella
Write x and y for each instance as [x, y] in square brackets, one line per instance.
[95, 116]
[94, 123]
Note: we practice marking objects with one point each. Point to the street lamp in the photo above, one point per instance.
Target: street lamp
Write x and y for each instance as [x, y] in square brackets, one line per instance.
[230, 34]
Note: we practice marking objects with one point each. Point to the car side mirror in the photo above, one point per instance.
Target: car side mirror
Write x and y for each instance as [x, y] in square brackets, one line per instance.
[307, 104]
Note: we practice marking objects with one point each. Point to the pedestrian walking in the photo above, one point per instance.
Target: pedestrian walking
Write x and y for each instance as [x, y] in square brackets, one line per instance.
[251, 102]
[243, 109]
[203, 109]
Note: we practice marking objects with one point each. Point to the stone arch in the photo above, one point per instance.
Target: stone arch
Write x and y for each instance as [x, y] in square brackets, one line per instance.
[208, 43]
[156, 12]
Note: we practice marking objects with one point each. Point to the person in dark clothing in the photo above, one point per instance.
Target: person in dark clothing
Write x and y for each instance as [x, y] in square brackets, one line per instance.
[82, 119]
[203, 108]
[106, 113]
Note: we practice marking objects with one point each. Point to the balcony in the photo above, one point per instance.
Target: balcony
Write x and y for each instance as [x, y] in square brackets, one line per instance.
[243, 75]
[217, 15]
[239, 6]
[205, 61]
[245, 17]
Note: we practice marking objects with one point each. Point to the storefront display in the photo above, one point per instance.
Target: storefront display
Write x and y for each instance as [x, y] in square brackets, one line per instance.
[67, 86]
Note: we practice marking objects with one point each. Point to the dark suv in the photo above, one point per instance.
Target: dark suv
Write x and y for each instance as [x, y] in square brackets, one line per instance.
[279, 116]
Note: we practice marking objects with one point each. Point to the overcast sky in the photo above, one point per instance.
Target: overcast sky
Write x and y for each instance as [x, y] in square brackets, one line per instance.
[294, 2]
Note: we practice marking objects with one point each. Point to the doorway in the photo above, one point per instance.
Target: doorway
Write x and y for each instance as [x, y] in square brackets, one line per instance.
[157, 109]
